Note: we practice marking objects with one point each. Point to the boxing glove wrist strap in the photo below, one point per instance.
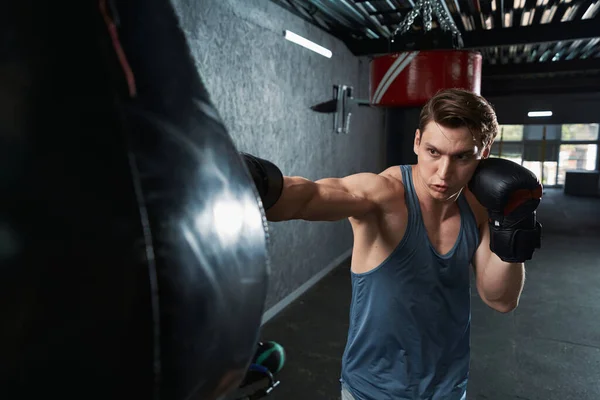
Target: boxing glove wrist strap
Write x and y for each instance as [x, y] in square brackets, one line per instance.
[267, 177]
[515, 241]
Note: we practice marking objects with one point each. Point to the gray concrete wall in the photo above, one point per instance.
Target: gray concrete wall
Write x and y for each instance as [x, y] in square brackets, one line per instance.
[263, 86]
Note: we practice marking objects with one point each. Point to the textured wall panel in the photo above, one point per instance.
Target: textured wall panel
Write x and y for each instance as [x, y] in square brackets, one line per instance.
[263, 87]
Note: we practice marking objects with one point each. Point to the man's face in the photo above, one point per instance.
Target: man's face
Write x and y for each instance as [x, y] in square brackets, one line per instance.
[447, 159]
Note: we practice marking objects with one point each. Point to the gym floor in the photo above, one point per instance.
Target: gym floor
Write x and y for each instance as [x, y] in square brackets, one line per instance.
[548, 348]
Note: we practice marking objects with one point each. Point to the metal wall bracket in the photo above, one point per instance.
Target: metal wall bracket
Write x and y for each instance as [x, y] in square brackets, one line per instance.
[342, 106]
[343, 114]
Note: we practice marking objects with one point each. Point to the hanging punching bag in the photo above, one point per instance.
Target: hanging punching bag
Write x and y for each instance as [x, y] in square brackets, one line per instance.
[133, 256]
[410, 79]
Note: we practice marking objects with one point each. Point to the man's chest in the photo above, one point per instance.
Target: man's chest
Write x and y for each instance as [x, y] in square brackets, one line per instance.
[442, 234]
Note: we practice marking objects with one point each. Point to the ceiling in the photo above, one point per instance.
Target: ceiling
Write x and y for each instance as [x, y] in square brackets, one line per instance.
[528, 46]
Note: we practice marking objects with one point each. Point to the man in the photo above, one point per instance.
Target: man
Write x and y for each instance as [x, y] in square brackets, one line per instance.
[417, 229]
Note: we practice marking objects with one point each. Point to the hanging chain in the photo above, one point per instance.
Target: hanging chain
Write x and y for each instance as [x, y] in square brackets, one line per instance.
[444, 18]
[427, 18]
[427, 8]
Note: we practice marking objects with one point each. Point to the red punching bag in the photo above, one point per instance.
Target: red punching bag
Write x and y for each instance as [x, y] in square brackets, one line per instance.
[410, 79]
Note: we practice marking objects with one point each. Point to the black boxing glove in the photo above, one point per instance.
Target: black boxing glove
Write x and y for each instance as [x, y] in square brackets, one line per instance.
[267, 177]
[511, 194]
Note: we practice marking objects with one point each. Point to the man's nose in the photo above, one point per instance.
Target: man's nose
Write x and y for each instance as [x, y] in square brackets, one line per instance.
[445, 169]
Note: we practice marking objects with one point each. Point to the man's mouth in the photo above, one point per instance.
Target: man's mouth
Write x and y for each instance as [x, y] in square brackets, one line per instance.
[440, 188]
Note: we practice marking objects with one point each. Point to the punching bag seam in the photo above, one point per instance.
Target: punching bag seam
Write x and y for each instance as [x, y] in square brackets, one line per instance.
[153, 275]
[114, 35]
[385, 86]
[388, 73]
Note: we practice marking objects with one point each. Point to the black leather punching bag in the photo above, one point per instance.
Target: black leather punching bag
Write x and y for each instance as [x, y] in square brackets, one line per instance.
[133, 256]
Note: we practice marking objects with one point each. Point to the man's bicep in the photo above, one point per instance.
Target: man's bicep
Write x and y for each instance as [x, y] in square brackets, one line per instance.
[347, 183]
[363, 184]
[483, 252]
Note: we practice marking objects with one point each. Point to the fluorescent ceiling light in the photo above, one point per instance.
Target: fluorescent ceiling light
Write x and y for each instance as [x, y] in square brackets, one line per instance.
[534, 114]
[292, 37]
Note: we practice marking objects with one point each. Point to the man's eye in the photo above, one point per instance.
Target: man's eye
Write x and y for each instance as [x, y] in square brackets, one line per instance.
[432, 152]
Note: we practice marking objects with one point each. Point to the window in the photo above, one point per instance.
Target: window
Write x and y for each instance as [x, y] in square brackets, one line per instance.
[542, 132]
[576, 156]
[510, 133]
[548, 177]
[510, 151]
[550, 150]
[579, 132]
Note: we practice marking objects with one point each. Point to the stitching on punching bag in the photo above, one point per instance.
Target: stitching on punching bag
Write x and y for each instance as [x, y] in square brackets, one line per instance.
[112, 30]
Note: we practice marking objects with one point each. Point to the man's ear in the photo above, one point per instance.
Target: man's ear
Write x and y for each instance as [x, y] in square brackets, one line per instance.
[487, 150]
[417, 141]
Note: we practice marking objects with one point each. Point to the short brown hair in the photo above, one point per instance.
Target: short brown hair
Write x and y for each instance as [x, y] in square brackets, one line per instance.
[455, 108]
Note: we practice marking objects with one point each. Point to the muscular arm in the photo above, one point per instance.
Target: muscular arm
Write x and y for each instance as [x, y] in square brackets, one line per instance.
[292, 197]
[499, 283]
[329, 199]
[509, 194]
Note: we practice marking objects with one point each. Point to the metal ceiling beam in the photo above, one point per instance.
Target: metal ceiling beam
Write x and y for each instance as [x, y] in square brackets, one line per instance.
[334, 14]
[389, 12]
[549, 86]
[361, 10]
[352, 16]
[333, 26]
[510, 70]
[546, 33]
[308, 15]
[299, 11]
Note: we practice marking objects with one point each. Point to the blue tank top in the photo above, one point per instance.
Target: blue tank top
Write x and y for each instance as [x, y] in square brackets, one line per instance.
[410, 317]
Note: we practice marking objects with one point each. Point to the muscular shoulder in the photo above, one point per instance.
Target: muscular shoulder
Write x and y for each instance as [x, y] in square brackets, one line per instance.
[385, 190]
[379, 189]
[389, 189]
[391, 178]
[393, 173]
